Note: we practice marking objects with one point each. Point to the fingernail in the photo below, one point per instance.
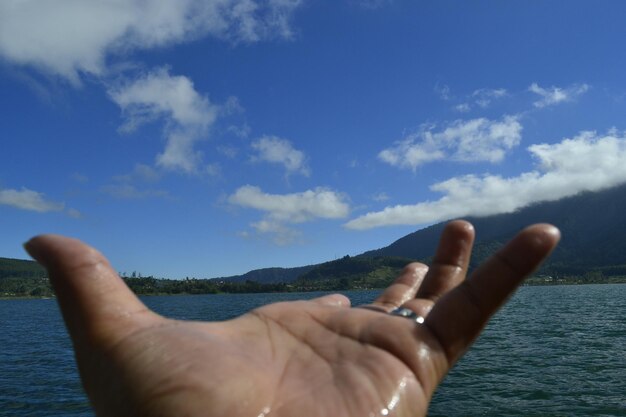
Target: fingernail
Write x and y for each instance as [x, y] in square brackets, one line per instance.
[554, 232]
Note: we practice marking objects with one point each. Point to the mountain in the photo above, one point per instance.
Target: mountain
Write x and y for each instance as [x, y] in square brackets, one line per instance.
[592, 224]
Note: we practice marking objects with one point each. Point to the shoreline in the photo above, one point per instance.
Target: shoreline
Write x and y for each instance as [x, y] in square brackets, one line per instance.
[531, 284]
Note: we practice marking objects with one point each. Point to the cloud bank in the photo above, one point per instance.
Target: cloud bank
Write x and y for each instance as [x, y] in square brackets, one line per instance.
[587, 162]
[473, 140]
[69, 37]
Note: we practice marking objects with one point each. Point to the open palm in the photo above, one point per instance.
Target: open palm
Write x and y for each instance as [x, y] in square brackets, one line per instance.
[302, 358]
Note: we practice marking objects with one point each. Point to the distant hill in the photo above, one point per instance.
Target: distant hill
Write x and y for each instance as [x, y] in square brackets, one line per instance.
[352, 273]
[593, 228]
[23, 278]
[18, 268]
[270, 275]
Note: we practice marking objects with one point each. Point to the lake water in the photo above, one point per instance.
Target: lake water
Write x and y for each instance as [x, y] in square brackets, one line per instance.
[552, 351]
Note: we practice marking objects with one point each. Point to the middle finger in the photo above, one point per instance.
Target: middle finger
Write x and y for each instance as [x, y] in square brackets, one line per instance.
[449, 266]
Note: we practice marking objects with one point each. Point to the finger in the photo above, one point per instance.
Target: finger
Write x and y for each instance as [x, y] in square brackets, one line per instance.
[333, 300]
[448, 269]
[96, 304]
[451, 260]
[402, 289]
[459, 316]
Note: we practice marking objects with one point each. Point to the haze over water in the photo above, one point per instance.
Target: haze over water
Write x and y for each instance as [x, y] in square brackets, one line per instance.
[552, 351]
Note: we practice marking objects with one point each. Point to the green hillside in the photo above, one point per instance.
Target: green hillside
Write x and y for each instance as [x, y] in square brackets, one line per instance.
[23, 278]
[270, 275]
[352, 273]
[18, 268]
[593, 228]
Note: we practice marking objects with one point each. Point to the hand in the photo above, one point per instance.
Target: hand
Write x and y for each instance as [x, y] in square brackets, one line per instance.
[302, 358]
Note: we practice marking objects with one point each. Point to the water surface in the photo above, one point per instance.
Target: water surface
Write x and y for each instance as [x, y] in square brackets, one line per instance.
[552, 351]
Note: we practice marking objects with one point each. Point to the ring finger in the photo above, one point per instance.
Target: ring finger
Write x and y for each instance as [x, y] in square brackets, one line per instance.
[402, 290]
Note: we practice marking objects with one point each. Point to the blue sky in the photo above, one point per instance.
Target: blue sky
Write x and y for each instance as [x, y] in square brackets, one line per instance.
[208, 138]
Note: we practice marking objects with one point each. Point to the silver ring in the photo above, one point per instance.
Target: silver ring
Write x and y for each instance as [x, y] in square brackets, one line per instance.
[409, 314]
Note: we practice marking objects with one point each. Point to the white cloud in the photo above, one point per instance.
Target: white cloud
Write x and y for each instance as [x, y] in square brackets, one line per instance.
[463, 107]
[125, 188]
[465, 141]
[187, 113]
[409, 154]
[228, 151]
[293, 208]
[213, 170]
[555, 95]
[232, 106]
[160, 94]
[443, 91]
[280, 234]
[69, 37]
[26, 199]
[280, 151]
[482, 98]
[240, 131]
[587, 162]
[282, 209]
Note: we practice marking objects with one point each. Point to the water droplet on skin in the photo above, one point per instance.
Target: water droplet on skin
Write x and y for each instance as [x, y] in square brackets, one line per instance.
[423, 353]
[264, 412]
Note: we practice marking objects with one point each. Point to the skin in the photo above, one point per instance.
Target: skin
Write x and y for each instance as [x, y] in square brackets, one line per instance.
[302, 358]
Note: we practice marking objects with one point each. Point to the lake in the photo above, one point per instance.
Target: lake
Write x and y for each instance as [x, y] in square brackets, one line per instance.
[552, 351]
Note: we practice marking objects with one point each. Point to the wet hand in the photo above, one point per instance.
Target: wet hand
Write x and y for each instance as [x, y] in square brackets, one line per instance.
[302, 358]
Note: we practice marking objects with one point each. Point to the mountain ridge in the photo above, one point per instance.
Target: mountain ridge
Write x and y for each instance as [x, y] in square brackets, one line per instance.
[592, 224]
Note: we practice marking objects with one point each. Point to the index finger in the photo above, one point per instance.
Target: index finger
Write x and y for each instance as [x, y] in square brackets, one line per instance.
[460, 315]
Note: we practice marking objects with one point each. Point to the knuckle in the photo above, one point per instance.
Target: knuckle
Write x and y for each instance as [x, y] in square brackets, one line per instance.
[88, 261]
[414, 268]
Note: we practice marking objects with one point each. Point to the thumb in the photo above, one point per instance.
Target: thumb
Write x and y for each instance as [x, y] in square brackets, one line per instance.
[97, 306]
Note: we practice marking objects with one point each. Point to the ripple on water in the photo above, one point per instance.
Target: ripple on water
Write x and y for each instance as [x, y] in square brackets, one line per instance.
[552, 351]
